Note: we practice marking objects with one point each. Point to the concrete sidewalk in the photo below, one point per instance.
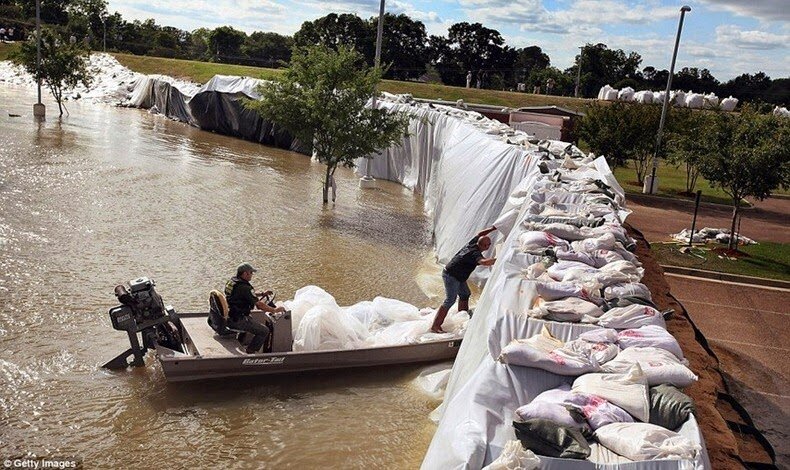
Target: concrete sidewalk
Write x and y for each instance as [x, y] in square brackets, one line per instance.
[747, 327]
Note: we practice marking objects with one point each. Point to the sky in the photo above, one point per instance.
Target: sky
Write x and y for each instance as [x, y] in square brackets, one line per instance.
[728, 37]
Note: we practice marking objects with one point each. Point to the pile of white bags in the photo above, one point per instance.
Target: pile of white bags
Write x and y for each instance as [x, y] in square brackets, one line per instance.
[320, 324]
[644, 441]
[677, 98]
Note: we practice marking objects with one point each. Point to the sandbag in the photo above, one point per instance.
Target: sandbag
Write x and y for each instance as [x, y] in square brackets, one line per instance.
[599, 412]
[628, 289]
[552, 440]
[545, 352]
[565, 415]
[571, 309]
[632, 316]
[561, 290]
[537, 242]
[644, 441]
[658, 365]
[650, 336]
[669, 407]
[597, 353]
[514, 457]
[628, 390]
[600, 335]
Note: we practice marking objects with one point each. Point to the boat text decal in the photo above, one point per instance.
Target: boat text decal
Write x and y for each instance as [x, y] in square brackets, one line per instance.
[264, 361]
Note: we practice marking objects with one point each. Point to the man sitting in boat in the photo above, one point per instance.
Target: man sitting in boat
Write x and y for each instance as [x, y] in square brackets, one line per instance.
[241, 300]
[458, 271]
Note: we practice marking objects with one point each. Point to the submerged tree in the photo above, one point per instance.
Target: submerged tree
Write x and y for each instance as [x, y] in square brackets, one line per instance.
[63, 65]
[747, 155]
[321, 99]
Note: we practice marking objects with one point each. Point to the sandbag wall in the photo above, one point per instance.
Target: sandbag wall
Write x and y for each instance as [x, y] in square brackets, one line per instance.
[564, 297]
[216, 107]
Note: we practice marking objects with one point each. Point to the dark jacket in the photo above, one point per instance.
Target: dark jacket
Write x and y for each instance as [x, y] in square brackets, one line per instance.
[241, 298]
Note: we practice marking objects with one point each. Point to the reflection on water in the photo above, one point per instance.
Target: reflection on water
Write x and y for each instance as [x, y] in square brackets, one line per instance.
[109, 194]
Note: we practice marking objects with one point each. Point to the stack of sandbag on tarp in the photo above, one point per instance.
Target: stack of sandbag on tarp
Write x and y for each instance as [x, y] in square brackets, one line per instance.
[564, 313]
[217, 106]
[319, 323]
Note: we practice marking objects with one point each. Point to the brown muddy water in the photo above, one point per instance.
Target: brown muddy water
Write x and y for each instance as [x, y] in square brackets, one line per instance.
[109, 194]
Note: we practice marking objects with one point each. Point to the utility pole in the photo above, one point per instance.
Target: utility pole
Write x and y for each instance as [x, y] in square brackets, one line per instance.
[651, 182]
[39, 111]
[368, 181]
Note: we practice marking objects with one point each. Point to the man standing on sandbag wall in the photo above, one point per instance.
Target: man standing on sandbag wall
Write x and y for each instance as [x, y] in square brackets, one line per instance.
[456, 273]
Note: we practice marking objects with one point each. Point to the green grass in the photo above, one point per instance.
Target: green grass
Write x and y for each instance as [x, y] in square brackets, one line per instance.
[6, 50]
[767, 260]
[201, 72]
[671, 182]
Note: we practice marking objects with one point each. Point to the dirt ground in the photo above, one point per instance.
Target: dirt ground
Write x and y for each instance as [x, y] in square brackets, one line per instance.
[657, 217]
[747, 328]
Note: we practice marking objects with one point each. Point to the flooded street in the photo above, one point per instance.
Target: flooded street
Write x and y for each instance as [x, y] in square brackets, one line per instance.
[111, 194]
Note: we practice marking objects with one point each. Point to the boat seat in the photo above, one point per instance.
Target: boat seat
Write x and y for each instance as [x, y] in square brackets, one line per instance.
[218, 304]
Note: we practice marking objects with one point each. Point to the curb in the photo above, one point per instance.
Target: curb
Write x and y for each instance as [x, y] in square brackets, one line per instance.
[717, 276]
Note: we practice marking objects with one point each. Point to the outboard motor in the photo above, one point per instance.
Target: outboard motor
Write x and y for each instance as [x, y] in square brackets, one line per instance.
[143, 311]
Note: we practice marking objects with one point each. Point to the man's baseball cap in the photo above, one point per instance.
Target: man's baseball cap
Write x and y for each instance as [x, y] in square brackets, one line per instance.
[245, 267]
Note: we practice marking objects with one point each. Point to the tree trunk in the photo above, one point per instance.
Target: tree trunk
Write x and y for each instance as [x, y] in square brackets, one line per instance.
[732, 245]
[326, 184]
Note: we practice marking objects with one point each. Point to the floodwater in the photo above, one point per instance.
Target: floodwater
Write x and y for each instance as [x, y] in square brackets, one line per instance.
[109, 194]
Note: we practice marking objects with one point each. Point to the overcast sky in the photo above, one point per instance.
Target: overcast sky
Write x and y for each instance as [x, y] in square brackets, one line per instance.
[728, 37]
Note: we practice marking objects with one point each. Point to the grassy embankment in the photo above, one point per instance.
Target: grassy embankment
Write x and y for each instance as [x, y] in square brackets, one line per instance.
[6, 50]
[769, 260]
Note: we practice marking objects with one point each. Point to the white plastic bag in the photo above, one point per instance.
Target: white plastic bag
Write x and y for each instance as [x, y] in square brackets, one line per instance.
[632, 316]
[571, 309]
[644, 441]
[599, 412]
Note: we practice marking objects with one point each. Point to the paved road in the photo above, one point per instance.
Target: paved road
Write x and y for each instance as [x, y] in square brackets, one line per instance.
[658, 218]
[747, 327]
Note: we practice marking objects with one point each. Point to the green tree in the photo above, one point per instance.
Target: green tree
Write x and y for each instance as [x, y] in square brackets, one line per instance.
[334, 31]
[269, 49]
[622, 131]
[529, 59]
[63, 65]
[225, 43]
[404, 46]
[322, 99]
[684, 143]
[748, 155]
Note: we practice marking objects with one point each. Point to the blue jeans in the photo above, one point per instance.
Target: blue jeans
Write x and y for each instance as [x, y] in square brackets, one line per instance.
[454, 288]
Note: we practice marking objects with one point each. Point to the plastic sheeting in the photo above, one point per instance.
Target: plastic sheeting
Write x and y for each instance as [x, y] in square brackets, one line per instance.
[217, 106]
[482, 394]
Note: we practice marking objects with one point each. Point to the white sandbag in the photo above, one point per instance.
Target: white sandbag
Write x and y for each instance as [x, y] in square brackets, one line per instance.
[589, 245]
[545, 352]
[602, 92]
[611, 94]
[632, 316]
[561, 290]
[711, 101]
[515, 457]
[626, 94]
[561, 395]
[564, 231]
[644, 97]
[599, 412]
[694, 100]
[729, 104]
[571, 309]
[628, 289]
[628, 390]
[325, 327]
[678, 98]
[644, 441]
[658, 365]
[650, 336]
[597, 353]
[600, 335]
[537, 242]
[560, 269]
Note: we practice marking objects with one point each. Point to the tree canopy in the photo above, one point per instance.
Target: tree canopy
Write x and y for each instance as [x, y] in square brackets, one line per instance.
[322, 99]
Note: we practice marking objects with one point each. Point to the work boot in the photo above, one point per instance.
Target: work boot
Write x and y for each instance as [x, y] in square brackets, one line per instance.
[439, 319]
[463, 305]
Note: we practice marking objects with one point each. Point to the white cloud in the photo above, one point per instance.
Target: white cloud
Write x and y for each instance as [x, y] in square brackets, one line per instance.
[731, 35]
[768, 10]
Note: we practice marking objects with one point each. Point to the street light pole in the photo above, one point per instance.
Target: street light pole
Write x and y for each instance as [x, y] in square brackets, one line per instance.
[104, 31]
[39, 111]
[651, 186]
[578, 72]
[368, 181]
